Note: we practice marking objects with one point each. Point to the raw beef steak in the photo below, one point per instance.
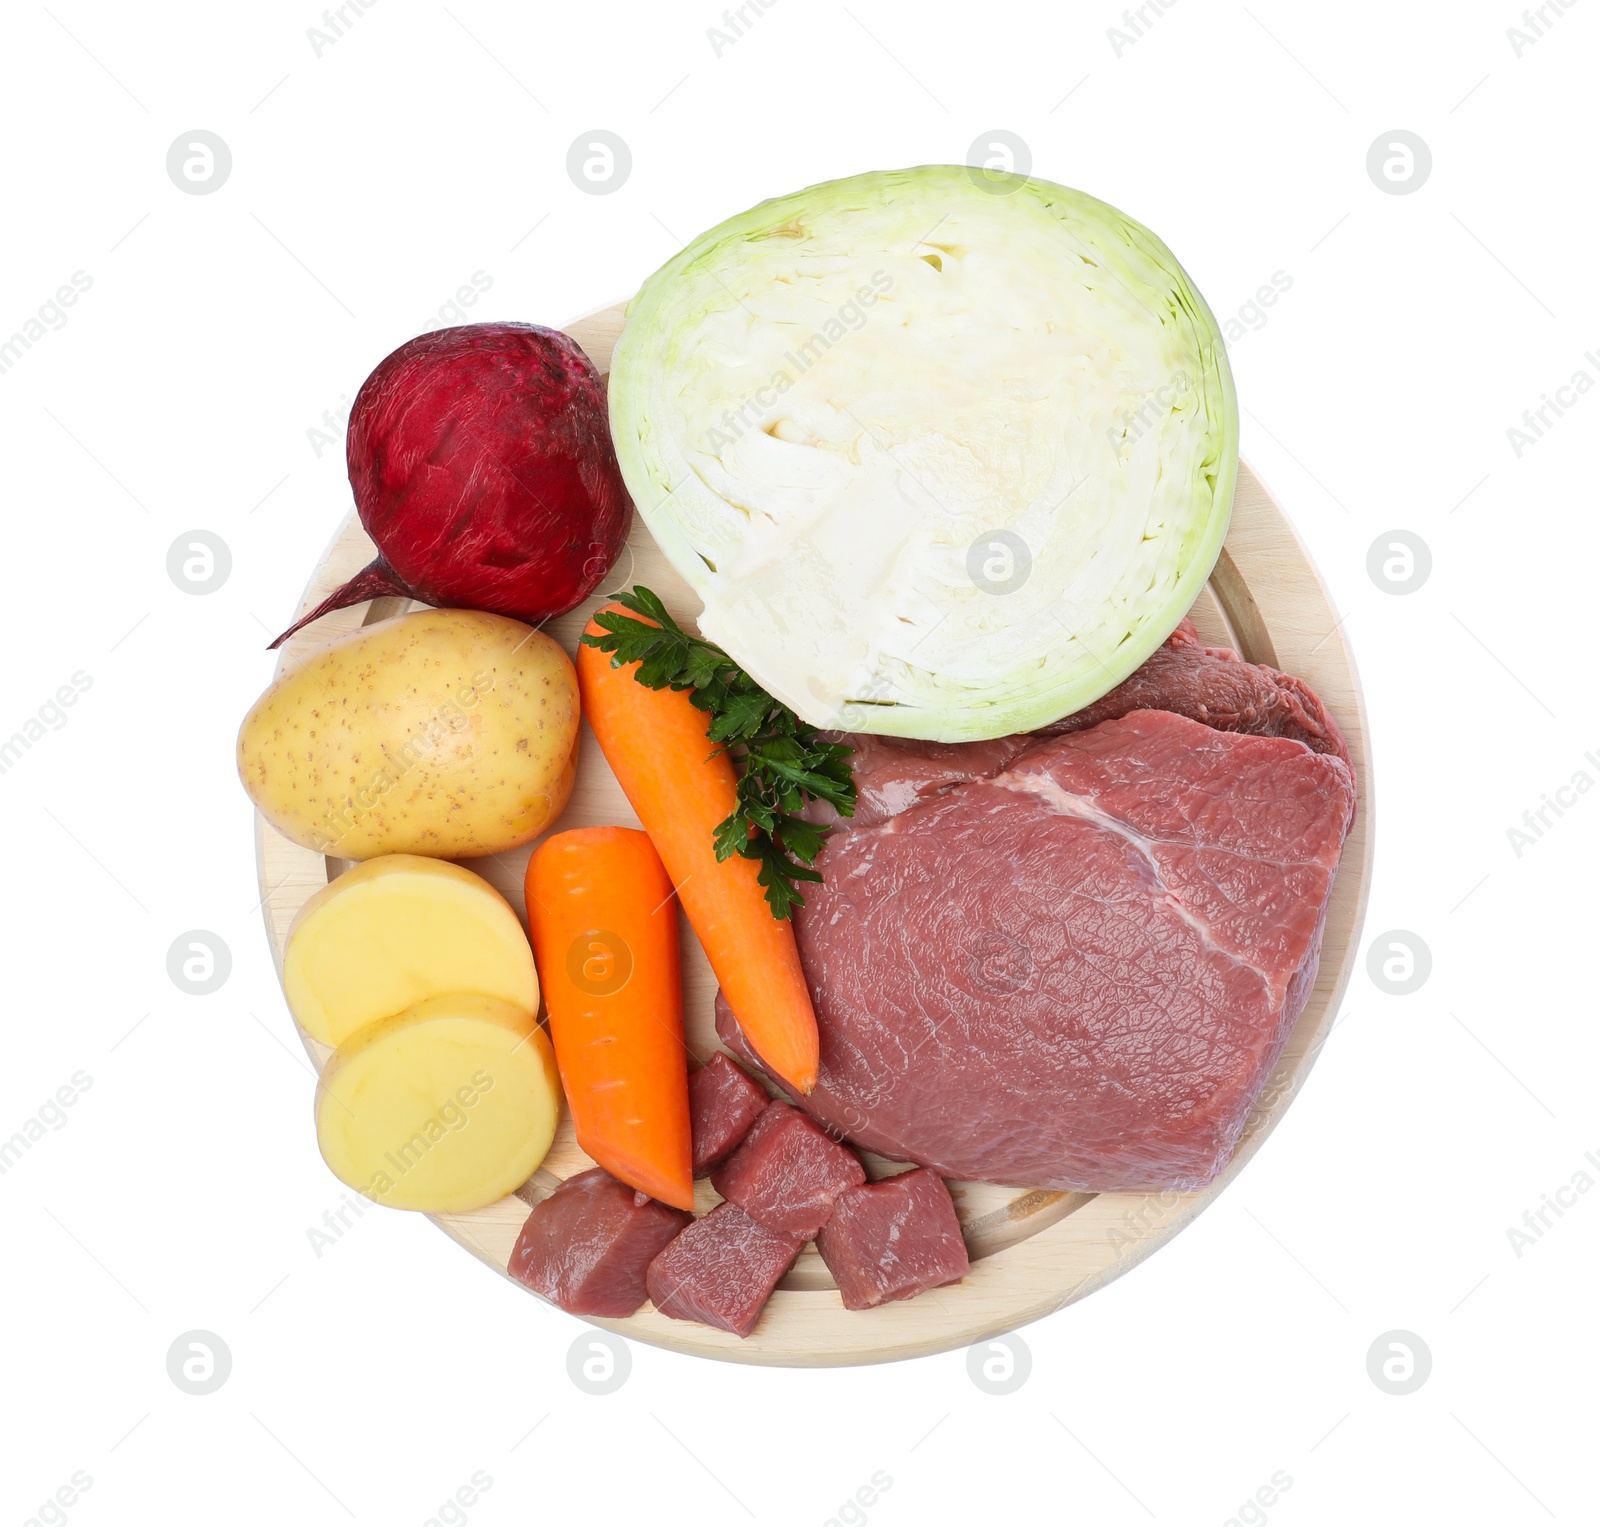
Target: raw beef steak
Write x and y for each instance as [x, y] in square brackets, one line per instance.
[1211, 685]
[892, 773]
[1080, 973]
[1215, 686]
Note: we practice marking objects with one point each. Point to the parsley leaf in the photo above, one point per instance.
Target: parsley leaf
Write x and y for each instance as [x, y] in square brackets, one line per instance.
[782, 763]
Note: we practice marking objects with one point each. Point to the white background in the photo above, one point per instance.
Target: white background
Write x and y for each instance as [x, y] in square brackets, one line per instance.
[368, 184]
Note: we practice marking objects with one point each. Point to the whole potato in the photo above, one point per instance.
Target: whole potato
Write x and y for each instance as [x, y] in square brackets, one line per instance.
[452, 733]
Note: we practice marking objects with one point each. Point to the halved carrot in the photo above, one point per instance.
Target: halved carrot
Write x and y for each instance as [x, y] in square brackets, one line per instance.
[658, 746]
[605, 936]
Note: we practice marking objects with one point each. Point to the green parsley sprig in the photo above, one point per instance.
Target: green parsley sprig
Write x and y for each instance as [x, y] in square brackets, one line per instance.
[781, 762]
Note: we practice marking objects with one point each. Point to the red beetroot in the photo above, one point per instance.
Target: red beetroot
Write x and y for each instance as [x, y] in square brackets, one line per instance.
[483, 469]
[586, 1246]
[722, 1270]
[787, 1173]
[723, 1103]
[893, 1239]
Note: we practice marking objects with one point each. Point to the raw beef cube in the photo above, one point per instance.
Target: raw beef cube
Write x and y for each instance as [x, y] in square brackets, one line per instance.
[893, 1239]
[788, 1173]
[587, 1246]
[722, 1270]
[723, 1103]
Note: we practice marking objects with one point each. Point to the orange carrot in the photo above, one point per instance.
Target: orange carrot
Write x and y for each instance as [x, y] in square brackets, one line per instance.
[605, 936]
[658, 746]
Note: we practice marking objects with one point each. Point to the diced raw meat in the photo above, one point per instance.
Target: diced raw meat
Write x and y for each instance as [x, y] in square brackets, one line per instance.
[787, 1173]
[893, 1239]
[722, 1270]
[586, 1247]
[1078, 974]
[723, 1103]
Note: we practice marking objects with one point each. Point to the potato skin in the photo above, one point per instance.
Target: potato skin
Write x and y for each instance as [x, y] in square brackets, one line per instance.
[450, 733]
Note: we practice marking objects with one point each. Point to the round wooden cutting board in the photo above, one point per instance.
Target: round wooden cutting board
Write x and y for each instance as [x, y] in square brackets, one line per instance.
[1032, 1251]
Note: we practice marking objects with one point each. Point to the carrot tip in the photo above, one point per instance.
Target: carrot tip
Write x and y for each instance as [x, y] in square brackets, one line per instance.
[640, 1176]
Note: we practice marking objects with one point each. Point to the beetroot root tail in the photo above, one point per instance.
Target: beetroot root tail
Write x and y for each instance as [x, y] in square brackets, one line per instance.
[375, 581]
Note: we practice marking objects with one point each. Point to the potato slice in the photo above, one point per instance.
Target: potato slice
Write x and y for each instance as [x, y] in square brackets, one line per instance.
[393, 931]
[445, 1107]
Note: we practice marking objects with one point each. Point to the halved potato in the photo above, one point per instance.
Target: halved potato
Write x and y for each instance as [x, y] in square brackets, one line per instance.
[446, 1107]
[396, 930]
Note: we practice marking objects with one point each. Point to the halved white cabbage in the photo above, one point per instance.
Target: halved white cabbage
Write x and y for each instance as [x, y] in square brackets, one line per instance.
[944, 455]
